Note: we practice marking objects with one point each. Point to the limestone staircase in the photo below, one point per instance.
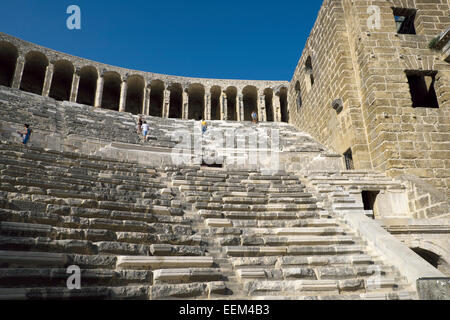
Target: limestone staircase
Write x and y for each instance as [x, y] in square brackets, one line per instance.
[273, 239]
[174, 232]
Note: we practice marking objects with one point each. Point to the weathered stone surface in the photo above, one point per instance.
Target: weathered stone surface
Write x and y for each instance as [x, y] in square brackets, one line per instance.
[433, 289]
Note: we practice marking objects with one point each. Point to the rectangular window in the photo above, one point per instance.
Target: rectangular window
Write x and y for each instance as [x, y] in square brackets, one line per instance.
[405, 18]
[349, 159]
[421, 87]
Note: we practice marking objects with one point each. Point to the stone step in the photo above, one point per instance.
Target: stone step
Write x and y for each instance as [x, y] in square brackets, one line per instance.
[298, 240]
[365, 275]
[17, 229]
[184, 275]
[61, 221]
[305, 261]
[94, 293]
[23, 258]
[187, 291]
[255, 208]
[270, 215]
[285, 224]
[16, 277]
[257, 251]
[298, 286]
[105, 205]
[102, 247]
[153, 263]
[348, 206]
[293, 231]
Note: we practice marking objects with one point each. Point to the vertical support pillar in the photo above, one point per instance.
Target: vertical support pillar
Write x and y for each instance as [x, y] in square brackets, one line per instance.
[241, 107]
[99, 91]
[207, 106]
[166, 103]
[276, 107]
[75, 86]
[236, 107]
[224, 106]
[262, 115]
[221, 106]
[146, 101]
[48, 80]
[123, 95]
[20, 65]
[185, 105]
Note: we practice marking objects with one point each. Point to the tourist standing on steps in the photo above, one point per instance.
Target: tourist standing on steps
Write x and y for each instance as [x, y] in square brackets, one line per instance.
[254, 117]
[26, 134]
[204, 126]
[145, 129]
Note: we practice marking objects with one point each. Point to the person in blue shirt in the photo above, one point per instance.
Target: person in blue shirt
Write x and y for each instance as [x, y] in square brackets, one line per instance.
[254, 117]
[26, 134]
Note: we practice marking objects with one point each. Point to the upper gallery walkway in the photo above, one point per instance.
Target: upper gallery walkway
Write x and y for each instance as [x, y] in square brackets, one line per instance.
[39, 70]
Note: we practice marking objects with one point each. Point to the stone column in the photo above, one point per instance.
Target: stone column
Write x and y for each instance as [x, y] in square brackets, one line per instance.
[20, 65]
[75, 86]
[146, 101]
[240, 107]
[99, 91]
[262, 115]
[208, 106]
[276, 107]
[123, 95]
[48, 80]
[224, 106]
[238, 114]
[166, 103]
[185, 105]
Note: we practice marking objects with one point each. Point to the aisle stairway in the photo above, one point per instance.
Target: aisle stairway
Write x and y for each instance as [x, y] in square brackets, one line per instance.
[272, 239]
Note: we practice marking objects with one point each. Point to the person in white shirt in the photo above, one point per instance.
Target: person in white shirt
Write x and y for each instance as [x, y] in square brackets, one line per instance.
[145, 128]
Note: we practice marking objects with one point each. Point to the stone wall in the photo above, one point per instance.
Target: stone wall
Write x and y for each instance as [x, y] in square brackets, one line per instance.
[367, 69]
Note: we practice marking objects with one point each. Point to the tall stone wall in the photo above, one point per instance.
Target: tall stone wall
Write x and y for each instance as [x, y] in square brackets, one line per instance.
[367, 67]
[334, 78]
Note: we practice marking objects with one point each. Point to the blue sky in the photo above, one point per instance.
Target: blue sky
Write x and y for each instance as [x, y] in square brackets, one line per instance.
[247, 39]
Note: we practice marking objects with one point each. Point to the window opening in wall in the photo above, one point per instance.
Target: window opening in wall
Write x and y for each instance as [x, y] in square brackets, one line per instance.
[404, 18]
[309, 70]
[214, 165]
[338, 105]
[349, 159]
[299, 95]
[421, 87]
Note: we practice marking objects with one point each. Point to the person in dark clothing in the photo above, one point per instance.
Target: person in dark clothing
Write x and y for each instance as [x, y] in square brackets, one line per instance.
[139, 126]
[26, 134]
